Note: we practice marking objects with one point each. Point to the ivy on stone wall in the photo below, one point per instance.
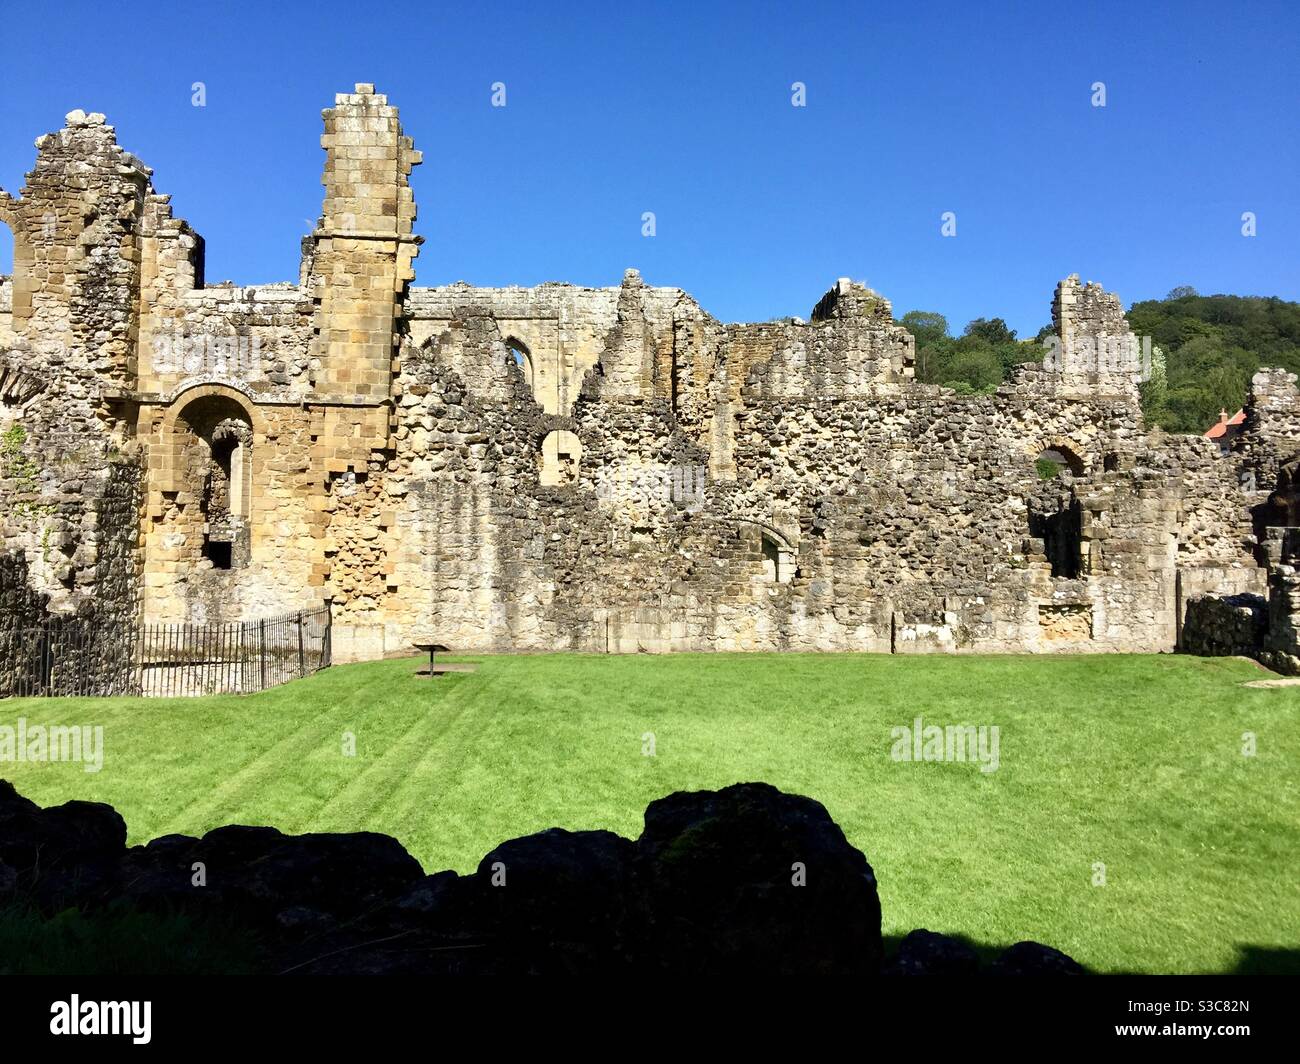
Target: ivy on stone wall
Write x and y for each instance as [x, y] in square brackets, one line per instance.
[22, 470]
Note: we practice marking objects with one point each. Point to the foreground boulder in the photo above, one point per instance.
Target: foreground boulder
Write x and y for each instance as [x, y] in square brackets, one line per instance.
[745, 880]
[266, 877]
[1033, 958]
[750, 879]
[927, 953]
[61, 855]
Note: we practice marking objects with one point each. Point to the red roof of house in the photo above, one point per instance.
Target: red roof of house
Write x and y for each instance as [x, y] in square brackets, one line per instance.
[1221, 426]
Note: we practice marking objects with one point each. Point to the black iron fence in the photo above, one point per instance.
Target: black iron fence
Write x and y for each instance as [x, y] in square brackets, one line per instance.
[74, 656]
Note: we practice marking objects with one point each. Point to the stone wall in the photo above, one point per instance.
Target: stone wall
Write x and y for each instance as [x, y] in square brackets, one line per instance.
[1224, 626]
[1271, 432]
[560, 467]
[1281, 645]
[68, 465]
[903, 512]
[1093, 346]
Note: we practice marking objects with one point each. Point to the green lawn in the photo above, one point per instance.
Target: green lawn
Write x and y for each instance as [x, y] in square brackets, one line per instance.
[1135, 762]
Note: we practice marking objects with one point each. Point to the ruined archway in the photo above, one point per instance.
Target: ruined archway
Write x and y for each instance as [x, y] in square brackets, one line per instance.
[1057, 458]
[523, 358]
[212, 452]
[776, 551]
[1055, 516]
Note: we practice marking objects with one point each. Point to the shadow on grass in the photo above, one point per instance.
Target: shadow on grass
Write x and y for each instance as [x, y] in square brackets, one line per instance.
[1251, 960]
[1267, 960]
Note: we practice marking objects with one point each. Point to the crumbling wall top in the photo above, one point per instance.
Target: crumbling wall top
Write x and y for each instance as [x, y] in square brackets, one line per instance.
[1093, 345]
[852, 299]
[1086, 310]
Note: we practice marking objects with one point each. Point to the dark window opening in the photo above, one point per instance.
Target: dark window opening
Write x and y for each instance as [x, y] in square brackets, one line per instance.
[1062, 534]
[1282, 507]
[1110, 463]
[218, 553]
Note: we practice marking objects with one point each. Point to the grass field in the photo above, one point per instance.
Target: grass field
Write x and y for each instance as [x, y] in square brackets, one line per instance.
[1134, 762]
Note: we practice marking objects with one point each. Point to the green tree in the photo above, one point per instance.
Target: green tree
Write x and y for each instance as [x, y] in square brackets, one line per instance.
[1204, 351]
[1212, 346]
[971, 369]
[930, 329]
[926, 325]
[1155, 390]
[993, 331]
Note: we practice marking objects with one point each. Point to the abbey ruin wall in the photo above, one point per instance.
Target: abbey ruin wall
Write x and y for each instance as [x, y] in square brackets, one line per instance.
[560, 467]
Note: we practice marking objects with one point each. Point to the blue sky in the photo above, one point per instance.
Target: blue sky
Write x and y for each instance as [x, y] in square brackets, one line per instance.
[684, 109]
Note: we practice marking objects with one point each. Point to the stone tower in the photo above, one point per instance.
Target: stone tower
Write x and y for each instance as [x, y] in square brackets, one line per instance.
[363, 248]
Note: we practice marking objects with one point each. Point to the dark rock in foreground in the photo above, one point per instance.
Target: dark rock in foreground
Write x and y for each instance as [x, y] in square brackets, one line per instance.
[745, 880]
[1033, 958]
[927, 953]
[749, 879]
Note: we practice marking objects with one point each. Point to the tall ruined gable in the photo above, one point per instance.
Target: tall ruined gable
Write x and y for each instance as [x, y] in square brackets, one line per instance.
[68, 466]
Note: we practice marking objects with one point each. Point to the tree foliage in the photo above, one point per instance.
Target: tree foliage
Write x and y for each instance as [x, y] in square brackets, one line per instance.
[1212, 346]
[1204, 351]
[975, 362]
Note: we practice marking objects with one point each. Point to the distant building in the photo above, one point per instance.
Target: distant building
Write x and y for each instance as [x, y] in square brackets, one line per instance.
[1226, 429]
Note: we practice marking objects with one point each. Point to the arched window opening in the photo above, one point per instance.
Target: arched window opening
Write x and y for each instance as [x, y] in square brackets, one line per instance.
[778, 558]
[1055, 516]
[225, 496]
[219, 473]
[523, 358]
[1053, 461]
[216, 506]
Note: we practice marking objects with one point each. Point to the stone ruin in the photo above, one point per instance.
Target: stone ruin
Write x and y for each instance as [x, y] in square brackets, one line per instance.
[588, 469]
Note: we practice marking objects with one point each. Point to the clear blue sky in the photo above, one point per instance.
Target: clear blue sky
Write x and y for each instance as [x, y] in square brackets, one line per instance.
[684, 109]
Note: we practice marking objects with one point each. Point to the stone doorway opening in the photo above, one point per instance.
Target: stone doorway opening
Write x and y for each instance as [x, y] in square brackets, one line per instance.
[218, 469]
[1055, 516]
